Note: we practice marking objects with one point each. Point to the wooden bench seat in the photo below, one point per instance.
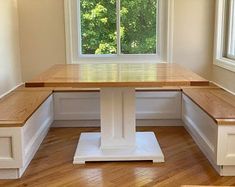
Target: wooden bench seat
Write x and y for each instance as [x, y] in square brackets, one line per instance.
[216, 102]
[17, 107]
[209, 116]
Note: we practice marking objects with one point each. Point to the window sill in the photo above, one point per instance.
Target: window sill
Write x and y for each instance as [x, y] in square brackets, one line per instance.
[225, 63]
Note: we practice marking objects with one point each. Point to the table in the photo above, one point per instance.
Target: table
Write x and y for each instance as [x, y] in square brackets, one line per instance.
[118, 139]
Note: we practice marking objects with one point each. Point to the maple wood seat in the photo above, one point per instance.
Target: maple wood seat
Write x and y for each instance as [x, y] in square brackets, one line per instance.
[18, 106]
[216, 102]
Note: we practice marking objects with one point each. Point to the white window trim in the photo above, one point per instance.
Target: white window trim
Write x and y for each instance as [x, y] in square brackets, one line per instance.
[219, 59]
[72, 49]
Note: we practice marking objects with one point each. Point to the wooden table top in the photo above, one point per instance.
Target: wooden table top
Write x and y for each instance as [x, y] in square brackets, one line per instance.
[117, 75]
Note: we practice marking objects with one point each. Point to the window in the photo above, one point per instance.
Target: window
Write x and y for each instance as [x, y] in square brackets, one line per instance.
[225, 34]
[117, 30]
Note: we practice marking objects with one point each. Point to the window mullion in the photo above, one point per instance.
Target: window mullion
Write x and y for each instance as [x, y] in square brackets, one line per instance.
[118, 8]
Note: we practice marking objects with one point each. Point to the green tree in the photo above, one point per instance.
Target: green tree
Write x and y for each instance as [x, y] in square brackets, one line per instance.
[138, 26]
[138, 22]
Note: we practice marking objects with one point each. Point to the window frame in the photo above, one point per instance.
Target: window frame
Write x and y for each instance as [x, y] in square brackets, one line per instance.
[231, 12]
[221, 36]
[73, 39]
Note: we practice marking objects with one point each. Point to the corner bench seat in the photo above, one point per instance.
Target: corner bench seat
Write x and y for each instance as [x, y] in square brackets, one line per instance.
[209, 116]
[217, 103]
[18, 106]
[25, 118]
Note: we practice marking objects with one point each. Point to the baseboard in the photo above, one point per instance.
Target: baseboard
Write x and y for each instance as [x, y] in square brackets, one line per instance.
[159, 122]
[96, 123]
[228, 171]
[9, 174]
[3, 95]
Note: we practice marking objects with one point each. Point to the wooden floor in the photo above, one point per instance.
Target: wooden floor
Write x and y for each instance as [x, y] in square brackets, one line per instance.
[185, 164]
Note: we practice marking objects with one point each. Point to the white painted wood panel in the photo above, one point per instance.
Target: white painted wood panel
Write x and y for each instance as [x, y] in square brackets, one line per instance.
[36, 129]
[96, 123]
[158, 105]
[202, 128]
[9, 173]
[10, 148]
[77, 106]
[226, 145]
[117, 118]
[6, 148]
[86, 106]
[19, 145]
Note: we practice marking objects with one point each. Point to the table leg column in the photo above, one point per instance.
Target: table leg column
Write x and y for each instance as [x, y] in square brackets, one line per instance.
[118, 118]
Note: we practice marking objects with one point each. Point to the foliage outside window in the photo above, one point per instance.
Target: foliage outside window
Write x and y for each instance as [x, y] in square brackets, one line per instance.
[118, 27]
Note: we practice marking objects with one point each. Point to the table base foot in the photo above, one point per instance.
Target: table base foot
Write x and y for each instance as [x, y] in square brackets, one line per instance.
[147, 148]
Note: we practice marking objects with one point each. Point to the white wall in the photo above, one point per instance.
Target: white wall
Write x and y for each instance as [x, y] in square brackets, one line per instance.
[10, 69]
[42, 35]
[194, 34]
[224, 78]
[43, 39]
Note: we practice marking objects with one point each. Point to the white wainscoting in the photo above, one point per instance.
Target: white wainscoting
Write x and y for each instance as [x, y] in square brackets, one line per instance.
[158, 105]
[202, 128]
[76, 106]
[86, 106]
[96, 123]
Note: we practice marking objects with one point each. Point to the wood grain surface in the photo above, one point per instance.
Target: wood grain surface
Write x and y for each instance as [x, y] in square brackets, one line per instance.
[185, 164]
[216, 102]
[117, 75]
[18, 106]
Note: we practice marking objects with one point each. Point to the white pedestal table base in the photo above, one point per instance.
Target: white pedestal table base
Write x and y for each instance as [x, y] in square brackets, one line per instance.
[118, 140]
[89, 149]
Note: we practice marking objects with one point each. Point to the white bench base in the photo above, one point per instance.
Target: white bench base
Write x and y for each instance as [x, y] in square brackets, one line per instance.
[18, 145]
[147, 148]
[217, 142]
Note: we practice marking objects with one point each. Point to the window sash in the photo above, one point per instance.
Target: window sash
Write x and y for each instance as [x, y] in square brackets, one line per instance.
[165, 34]
[231, 31]
[221, 56]
[119, 54]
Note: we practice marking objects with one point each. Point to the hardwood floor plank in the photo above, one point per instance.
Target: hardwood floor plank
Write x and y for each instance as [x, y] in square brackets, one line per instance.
[185, 164]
